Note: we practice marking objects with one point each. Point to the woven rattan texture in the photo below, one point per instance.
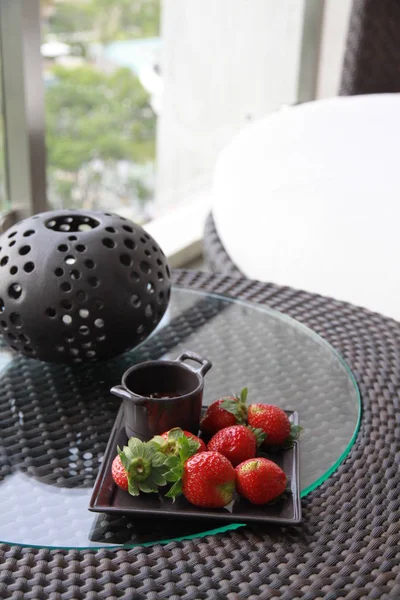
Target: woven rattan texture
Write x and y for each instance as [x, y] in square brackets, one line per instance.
[372, 55]
[348, 544]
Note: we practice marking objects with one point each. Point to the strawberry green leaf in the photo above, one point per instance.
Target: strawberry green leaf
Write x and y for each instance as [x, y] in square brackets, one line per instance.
[243, 395]
[175, 434]
[259, 434]
[133, 488]
[175, 490]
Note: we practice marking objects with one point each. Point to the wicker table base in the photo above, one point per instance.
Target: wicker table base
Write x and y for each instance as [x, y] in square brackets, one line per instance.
[348, 545]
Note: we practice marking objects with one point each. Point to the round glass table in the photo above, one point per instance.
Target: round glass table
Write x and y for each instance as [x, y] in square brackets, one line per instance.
[56, 419]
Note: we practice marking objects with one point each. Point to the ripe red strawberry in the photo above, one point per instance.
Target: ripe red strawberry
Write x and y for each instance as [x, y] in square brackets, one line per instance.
[119, 474]
[272, 420]
[260, 480]
[172, 443]
[225, 412]
[208, 480]
[237, 443]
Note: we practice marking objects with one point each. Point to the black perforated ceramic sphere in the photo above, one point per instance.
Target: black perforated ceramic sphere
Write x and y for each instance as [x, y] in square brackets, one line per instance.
[80, 286]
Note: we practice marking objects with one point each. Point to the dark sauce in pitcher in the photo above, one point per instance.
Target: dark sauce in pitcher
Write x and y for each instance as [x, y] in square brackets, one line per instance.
[165, 396]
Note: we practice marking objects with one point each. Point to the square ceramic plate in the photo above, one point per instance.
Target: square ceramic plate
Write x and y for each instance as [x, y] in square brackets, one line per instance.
[108, 498]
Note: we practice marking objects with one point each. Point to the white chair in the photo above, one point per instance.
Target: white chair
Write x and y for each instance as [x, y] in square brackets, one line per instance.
[310, 197]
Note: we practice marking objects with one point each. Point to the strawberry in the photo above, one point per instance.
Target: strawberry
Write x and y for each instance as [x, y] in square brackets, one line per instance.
[237, 443]
[225, 412]
[145, 466]
[272, 420]
[171, 446]
[260, 480]
[119, 474]
[208, 480]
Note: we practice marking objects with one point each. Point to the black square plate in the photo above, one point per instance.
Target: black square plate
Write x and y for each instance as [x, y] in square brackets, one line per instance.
[108, 498]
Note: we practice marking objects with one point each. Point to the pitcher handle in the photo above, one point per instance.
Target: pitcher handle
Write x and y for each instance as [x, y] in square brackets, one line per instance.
[205, 364]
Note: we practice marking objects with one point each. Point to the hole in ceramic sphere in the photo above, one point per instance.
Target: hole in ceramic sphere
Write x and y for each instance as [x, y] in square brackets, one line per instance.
[145, 267]
[59, 272]
[77, 360]
[90, 353]
[160, 276]
[15, 291]
[147, 253]
[101, 338]
[143, 240]
[130, 244]
[140, 329]
[23, 338]
[70, 260]
[12, 336]
[10, 235]
[109, 243]
[13, 270]
[67, 319]
[86, 344]
[15, 319]
[99, 304]
[127, 228]
[161, 297]
[99, 323]
[81, 295]
[75, 274]
[93, 281]
[28, 349]
[89, 264]
[72, 238]
[4, 324]
[146, 235]
[63, 247]
[168, 271]
[74, 351]
[135, 276]
[2, 307]
[29, 233]
[110, 230]
[135, 301]
[66, 304]
[84, 330]
[150, 289]
[148, 311]
[14, 347]
[159, 262]
[50, 312]
[72, 223]
[69, 338]
[80, 247]
[4, 261]
[29, 267]
[24, 250]
[108, 214]
[60, 348]
[11, 244]
[84, 313]
[125, 260]
[154, 249]
[66, 287]
[169, 294]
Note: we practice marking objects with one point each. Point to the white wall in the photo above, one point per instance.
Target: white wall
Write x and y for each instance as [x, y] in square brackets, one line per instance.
[225, 62]
[333, 41]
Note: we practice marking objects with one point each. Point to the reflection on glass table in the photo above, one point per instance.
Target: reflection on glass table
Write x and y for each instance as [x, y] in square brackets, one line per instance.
[56, 419]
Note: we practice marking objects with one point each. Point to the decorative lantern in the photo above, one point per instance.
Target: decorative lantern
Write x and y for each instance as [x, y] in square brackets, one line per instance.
[80, 286]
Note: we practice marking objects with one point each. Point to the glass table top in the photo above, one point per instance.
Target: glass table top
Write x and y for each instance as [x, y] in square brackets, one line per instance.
[56, 419]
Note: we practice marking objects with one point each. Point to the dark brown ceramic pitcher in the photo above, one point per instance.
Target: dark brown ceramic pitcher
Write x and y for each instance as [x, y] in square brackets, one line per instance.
[161, 394]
